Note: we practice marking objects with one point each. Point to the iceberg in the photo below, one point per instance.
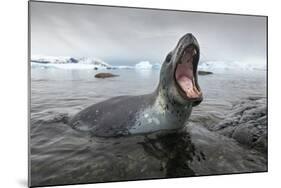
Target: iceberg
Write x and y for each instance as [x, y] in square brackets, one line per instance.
[146, 65]
[156, 66]
[143, 65]
[65, 62]
[231, 66]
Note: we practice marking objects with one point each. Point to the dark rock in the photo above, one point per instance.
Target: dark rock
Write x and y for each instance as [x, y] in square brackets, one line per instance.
[247, 124]
[204, 72]
[73, 60]
[40, 61]
[105, 75]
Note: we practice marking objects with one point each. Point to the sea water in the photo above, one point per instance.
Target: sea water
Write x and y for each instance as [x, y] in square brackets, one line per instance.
[61, 155]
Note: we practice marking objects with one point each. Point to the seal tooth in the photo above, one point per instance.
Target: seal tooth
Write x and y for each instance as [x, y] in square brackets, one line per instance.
[191, 93]
[194, 87]
[194, 52]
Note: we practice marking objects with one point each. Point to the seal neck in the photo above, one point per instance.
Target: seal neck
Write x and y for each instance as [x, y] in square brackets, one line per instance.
[164, 104]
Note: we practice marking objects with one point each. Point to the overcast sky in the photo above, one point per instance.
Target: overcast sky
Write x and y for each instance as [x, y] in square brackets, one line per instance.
[127, 36]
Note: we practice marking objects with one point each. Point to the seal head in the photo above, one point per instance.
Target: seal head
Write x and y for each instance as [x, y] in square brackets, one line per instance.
[178, 78]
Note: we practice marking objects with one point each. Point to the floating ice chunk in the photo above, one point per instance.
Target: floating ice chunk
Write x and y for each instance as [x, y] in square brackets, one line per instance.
[143, 65]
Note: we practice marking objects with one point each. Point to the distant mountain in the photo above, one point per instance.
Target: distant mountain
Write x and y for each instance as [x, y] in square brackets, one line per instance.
[84, 63]
[231, 65]
[68, 60]
[95, 63]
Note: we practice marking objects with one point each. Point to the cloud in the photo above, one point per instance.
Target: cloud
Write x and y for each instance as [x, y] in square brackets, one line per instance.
[127, 35]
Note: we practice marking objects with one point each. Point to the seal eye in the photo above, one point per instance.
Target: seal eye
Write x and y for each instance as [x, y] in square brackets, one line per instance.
[169, 57]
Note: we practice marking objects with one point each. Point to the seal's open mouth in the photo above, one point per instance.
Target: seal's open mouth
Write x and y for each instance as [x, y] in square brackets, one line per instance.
[185, 75]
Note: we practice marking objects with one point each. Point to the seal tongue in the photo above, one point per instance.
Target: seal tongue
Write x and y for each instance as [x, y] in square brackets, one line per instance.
[188, 87]
[185, 79]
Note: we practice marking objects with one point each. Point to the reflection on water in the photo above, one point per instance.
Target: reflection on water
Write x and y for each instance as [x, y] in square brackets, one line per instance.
[174, 150]
[61, 155]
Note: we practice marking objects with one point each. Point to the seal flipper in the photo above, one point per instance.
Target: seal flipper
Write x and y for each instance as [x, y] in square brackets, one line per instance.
[81, 126]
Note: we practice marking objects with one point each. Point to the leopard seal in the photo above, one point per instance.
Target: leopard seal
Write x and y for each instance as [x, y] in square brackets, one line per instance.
[167, 108]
